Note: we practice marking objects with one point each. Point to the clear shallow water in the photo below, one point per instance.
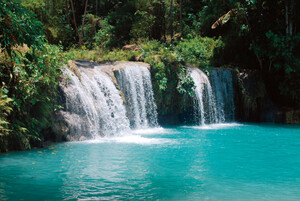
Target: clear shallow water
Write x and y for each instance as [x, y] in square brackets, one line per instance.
[216, 162]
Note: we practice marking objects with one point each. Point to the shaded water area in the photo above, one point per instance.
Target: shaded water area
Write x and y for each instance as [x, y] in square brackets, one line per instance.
[210, 162]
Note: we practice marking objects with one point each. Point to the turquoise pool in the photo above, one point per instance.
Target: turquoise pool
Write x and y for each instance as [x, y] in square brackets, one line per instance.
[216, 162]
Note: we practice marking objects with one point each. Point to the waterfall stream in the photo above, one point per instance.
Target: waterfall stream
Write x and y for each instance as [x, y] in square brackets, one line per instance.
[96, 103]
[110, 100]
[94, 106]
[204, 100]
[221, 81]
[135, 83]
[213, 101]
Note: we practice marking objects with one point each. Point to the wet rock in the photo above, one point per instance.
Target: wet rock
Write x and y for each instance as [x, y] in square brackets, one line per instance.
[288, 116]
[74, 68]
[82, 138]
[253, 103]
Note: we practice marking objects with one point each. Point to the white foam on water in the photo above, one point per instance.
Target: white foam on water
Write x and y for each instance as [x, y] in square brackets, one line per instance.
[150, 131]
[128, 139]
[214, 126]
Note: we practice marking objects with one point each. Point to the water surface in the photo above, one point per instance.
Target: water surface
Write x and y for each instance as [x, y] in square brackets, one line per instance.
[214, 162]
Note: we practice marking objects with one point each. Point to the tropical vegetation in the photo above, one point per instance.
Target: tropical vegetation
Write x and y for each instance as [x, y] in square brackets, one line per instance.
[37, 37]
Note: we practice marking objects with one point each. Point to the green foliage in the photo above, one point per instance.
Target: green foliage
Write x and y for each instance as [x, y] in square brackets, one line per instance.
[29, 78]
[198, 51]
[186, 83]
[18, 26]
[167, 61]
[104, 37]
[102, 55]
[56, 18]
[170, 60]
[32, 88]
[284, 60]
[144, 19]
[121, 19]
[5, 110]
[92, 24]
[280, 51]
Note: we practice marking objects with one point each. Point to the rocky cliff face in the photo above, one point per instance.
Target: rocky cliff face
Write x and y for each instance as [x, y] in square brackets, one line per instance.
[173, 108]
[252, 101]
[288, 116]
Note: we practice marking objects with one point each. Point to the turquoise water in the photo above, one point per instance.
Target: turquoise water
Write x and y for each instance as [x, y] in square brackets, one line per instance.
[219, 162]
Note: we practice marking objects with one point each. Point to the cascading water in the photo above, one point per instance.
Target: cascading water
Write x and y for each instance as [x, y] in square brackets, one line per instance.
[204, 100]
[213, 101]
[135, 83]
[94, 105]
[221, 80]
[107, 100]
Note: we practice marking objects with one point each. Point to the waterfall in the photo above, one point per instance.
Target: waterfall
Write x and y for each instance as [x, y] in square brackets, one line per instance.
[221, 80]
[107, 100]
[94, 105]
[204, 100]
[214, 96]
[135, 83]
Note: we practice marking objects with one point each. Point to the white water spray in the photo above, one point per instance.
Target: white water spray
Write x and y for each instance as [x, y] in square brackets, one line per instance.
[213, 101]
[221, 81]
[135, 83]
[97, 104]
[204, 101]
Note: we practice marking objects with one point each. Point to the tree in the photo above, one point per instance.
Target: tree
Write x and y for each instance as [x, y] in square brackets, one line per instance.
[18, 26]
[75, 24]
[29, 74]
[171, 20]
[181, 25]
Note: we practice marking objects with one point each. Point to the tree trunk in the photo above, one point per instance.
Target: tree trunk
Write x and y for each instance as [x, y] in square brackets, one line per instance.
[67, 12]
[171, 20]
[286, 17]
[82, 25]
[289, 4]
[181, 25]
[97, 7]
[164, 29]
[291, 22]
[75, 24]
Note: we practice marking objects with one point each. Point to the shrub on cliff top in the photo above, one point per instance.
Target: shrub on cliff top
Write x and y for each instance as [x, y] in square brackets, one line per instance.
[172, 59]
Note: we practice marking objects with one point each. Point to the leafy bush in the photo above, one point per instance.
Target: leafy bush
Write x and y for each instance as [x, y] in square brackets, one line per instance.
[18, 26]
[29, 73]
[5, 109]
[167, 58]
[104, 37]
[198, 51]
[32, 88]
